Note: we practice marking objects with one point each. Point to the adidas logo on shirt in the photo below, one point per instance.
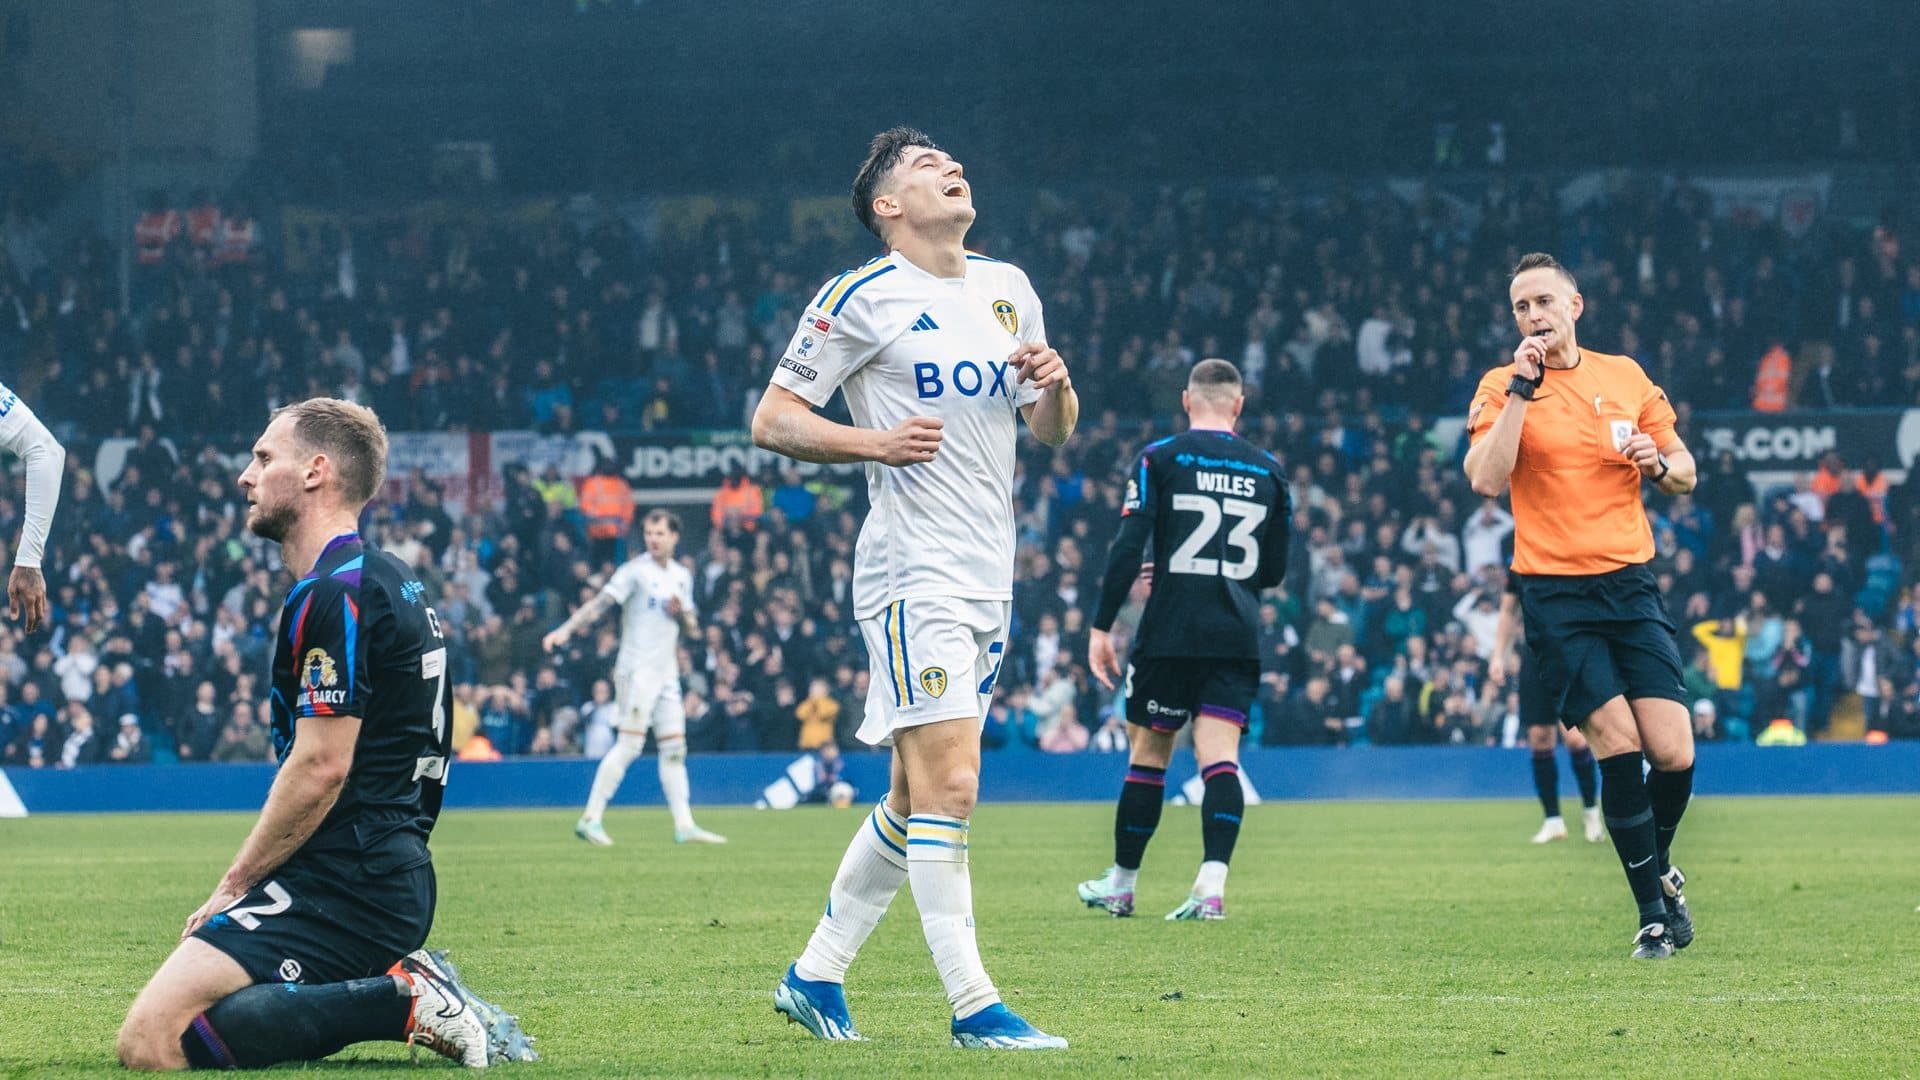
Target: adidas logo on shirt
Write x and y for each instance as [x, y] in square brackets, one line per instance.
[924, 322]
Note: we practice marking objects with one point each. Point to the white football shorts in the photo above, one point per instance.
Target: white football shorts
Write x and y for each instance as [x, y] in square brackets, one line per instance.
[648, 701]
[929, 659]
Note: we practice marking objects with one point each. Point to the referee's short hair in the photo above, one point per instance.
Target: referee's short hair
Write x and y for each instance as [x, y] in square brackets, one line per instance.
[350, 435]
[1539, 260]
[1215, 380]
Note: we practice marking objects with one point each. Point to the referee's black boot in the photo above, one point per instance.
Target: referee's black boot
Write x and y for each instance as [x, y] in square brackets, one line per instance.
[1679, 919]
[1653, 942]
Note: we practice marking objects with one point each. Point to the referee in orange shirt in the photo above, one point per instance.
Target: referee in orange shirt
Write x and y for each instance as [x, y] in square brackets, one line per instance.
[1575, 432]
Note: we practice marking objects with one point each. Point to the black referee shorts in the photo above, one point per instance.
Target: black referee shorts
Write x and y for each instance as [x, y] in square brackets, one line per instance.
[1537, 707]
[1599, 636]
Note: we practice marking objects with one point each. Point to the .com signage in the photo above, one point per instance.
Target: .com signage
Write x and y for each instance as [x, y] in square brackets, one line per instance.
[1890, 437]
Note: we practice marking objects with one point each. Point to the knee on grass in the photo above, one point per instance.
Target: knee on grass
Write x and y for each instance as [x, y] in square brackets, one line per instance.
[140, 1047]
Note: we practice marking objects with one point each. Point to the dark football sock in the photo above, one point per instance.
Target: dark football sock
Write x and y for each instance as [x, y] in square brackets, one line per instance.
[1546, 782]
[1586, 776]
[1141, 799]
[276, 1022]
[1623, 799]
[1220, 811]
[1668, 792]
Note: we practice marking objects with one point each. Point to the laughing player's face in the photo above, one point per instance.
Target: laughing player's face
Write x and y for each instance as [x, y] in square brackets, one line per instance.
[274, 482]
[931, 191]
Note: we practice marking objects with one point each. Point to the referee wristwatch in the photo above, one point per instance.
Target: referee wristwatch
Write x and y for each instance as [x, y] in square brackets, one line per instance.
[1664, 467]
[1523, 386]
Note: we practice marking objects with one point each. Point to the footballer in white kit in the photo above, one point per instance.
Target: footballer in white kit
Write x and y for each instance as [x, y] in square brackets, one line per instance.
[933, 570]
[22, 433]
[655, 594]
[941, 353]
[646, 673]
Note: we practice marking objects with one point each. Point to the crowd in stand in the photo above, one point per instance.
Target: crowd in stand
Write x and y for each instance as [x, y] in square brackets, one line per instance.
[1358, 321]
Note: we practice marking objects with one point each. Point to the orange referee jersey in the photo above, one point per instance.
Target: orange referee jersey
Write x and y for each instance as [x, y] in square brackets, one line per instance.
[1576, 497]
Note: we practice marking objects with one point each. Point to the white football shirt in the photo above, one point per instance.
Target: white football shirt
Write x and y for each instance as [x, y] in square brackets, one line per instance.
[22, 433]
[649, 637]
[904, 343]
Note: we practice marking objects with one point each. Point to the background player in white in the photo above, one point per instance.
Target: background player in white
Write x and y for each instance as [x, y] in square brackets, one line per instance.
[655, 595]
[28, 439]
[917, 340]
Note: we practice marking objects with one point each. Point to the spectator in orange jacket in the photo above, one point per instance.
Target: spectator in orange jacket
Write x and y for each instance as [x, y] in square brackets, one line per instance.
[738, 504]
[606, 502]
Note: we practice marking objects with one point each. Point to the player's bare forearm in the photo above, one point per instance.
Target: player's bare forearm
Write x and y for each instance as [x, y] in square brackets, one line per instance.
[588, 614]
[1490, 461]
[786, 424]
[1053, 417]
[303, 793]
[1509, 624]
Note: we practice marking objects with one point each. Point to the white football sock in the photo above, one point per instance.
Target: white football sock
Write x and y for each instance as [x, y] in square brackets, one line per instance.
[1124, 879]
[1212, 880]
[612, 770]
[943, 890]
[674, 784]
[871, 872]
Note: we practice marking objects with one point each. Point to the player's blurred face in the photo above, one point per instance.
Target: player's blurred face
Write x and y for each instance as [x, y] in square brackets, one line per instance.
[1545, 305]
[661, 540]
[927, 193]
[275, 481]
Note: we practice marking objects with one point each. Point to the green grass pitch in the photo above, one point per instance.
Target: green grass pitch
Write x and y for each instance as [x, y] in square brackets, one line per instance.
[1362, 939]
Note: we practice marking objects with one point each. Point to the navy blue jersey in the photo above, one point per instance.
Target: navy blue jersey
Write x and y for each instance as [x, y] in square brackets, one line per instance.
[1215, 509]
[358, 639]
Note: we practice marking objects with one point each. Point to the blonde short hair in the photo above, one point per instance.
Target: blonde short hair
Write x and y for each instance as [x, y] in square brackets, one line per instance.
[350, 435]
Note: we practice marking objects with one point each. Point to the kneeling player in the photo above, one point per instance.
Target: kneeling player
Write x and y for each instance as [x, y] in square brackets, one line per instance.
[1216, 511]
[1537, 716]
[313, 939]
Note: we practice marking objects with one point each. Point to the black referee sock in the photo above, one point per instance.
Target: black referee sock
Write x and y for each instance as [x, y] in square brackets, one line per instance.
[276, 1022]
[1221, 809]
[1586, 776]
[1629, 814]
[1546, 782]
[1669, 793]
[1141, 799]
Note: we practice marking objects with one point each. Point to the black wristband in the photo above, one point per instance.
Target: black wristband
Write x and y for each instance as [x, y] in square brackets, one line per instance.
[1664, 468]
[1524, 386]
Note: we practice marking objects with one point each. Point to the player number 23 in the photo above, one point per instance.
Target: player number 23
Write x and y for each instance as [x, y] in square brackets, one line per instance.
[1246, 516]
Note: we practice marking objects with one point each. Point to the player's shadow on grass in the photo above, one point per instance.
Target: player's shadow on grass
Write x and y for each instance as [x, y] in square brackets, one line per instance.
[349, 1063]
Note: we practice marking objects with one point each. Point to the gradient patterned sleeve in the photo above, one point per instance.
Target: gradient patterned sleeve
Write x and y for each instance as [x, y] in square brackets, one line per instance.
[1278, 539]
[1129, 545]
[327, 632]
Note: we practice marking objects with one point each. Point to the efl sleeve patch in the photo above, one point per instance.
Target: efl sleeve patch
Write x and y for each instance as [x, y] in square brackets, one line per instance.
[824, 351]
